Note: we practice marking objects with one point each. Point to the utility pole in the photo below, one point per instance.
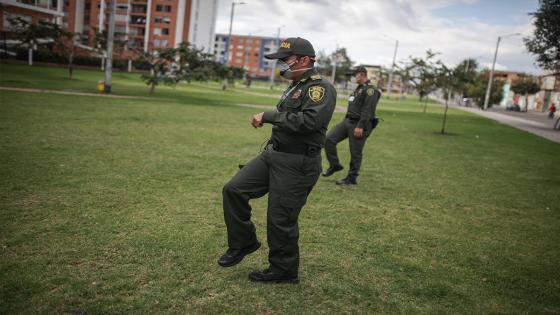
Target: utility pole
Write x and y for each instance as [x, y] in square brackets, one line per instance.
[489, 87]
[273, 67]
[110, 37]
[233, 3]
[335, 61]
[390, 82]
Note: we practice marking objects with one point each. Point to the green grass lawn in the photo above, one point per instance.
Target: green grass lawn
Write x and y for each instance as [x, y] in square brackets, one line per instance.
[114, 206]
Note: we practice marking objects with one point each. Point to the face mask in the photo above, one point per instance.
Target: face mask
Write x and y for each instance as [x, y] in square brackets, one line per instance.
[285, 69]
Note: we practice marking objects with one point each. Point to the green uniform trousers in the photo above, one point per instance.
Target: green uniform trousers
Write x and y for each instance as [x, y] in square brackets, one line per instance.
[338, 133]
[288, 179]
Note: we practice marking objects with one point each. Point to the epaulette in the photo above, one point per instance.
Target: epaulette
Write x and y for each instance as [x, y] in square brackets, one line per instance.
[315, 77]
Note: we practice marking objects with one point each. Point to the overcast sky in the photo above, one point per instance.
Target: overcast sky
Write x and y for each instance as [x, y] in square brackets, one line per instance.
[368, 28]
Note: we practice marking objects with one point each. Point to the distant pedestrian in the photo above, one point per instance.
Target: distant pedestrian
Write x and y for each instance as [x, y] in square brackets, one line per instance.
[551, 111]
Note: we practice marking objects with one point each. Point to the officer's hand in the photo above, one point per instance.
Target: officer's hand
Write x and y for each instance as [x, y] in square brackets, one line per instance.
[257, 120]
[358, 133]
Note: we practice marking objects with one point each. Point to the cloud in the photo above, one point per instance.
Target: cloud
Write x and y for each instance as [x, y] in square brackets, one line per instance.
[368, 29]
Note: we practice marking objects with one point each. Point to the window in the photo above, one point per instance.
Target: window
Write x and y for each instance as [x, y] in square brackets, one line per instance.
[165, 31]
[163, 8]
[162, 19]
[239, 54]
[157, 31]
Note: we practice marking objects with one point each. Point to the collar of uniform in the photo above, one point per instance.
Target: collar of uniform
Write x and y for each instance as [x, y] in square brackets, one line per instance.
[308, 74]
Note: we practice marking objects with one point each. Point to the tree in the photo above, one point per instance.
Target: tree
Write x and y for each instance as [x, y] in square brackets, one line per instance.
[464, 74]
[324, 63]
[66, 43]
[421, 74]
[545, 42]
[33, 35]
[526, 85]
[161, 67]
[477, 89]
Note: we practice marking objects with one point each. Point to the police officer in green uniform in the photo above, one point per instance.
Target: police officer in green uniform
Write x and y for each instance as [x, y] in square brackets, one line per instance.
[287, 169]
[356, 126]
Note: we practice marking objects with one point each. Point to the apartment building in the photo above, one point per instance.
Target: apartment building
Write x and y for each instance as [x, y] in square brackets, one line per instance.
[143, 24]
[247, 52]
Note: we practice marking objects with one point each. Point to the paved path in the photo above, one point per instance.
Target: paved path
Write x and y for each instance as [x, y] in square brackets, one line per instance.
[14, 89]
[535, 123]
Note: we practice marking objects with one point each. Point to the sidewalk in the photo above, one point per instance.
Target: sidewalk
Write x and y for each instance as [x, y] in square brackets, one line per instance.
[536, 123]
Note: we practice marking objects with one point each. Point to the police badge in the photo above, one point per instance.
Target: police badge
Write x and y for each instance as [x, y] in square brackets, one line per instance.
[316, 93]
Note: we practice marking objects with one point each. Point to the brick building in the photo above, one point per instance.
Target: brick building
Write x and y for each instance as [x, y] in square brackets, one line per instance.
[143, 24]
[246, 52]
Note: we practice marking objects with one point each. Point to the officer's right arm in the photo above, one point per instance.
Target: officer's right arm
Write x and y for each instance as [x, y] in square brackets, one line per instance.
[314, 113]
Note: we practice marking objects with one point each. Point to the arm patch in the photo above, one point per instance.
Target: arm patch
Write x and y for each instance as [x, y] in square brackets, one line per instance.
[316, 93]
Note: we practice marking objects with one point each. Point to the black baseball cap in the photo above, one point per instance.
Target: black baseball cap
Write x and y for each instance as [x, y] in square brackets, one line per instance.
[357, 69]
[293, 46]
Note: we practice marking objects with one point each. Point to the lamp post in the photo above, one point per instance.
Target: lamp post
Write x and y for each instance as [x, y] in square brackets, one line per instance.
[273, 67]
[233, 4]
[390, 81]
[489, 87]
[335, 61]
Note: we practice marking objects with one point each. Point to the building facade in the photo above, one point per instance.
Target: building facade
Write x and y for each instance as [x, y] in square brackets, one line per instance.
[247, 52]
[142, 24]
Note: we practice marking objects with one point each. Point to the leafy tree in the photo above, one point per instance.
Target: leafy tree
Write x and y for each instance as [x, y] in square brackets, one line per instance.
[421, 74]
[324, 63]
[526, 85]
[67, 43]
[464, 74]
[162, 69]
[477, 89]
[34, 35]
[545, 42]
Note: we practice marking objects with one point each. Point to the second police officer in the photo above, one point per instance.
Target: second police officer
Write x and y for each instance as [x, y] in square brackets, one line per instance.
[357, 125]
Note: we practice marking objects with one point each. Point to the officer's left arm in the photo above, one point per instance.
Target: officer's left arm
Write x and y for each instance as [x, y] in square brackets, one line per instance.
[316, 111]
[371, 97]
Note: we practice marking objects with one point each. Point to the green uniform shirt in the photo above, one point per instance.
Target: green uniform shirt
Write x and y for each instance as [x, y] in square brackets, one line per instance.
[304, 112]
[362, 104]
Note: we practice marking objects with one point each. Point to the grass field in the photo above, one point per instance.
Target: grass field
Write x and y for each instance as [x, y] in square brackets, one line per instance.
[114, 206]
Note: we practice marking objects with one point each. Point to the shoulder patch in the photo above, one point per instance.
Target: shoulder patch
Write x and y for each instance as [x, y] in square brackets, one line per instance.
[316, 93]
[370, 91]
[315, 77]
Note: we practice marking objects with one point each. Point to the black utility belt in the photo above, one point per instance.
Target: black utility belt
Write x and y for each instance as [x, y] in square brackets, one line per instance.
[301, 149]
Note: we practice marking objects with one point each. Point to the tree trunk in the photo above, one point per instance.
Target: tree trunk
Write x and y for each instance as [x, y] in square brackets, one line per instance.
[445, 113]
[71, 65]
[152, 88]
[30, 56]
[425, 102]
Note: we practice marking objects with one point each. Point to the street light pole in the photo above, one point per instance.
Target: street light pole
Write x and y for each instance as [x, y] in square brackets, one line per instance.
[335, 60]
[390, 81]
[489, 87]
[110, 37]
[273, 67]
[233, 3]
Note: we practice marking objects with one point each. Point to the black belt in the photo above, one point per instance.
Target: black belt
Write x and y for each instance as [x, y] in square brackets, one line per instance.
[302, 149]
[352, 118]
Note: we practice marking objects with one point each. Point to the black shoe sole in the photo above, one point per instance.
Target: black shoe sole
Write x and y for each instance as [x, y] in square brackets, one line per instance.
[276, 281]
[338, 170]
[249, 250]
